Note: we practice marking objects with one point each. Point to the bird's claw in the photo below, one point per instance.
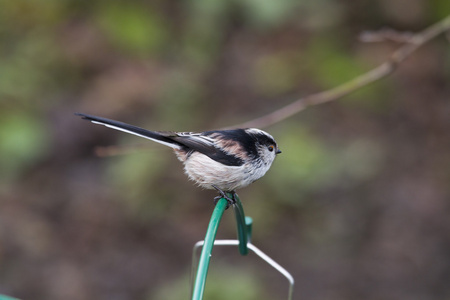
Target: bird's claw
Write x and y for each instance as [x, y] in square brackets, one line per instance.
[230, 201]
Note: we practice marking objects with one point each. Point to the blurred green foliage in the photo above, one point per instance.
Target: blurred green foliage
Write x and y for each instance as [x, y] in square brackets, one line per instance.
[24, 140]
[136, 182]
[331, 64]
[133, 27]
[28, 49]
[314, 164]
[268, 14]
[23, 63]
[278, 73]
[439, 8]
[223, 283]
[180, 104]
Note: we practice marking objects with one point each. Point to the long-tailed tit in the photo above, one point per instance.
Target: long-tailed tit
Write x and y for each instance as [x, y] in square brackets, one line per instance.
[224, 160]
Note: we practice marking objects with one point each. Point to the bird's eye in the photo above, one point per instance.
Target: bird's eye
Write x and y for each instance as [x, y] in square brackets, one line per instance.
[270, 148]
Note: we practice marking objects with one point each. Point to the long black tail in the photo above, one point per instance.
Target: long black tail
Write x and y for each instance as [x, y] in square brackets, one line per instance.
[159, 137]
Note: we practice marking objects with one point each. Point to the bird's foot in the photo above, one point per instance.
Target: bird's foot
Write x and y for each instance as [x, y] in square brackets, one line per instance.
[231, 201]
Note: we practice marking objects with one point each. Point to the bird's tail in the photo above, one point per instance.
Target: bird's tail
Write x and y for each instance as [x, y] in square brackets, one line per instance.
[159, 137]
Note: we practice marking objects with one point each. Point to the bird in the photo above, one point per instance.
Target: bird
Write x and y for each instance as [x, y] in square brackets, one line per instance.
[224, 160]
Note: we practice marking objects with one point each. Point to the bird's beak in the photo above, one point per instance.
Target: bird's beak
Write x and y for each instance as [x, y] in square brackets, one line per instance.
[278, 151]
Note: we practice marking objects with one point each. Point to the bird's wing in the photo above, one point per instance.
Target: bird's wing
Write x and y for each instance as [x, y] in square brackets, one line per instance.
[207, 146]
[195, 141]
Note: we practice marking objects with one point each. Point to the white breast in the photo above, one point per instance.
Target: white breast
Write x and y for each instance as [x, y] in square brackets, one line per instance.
[207, 172]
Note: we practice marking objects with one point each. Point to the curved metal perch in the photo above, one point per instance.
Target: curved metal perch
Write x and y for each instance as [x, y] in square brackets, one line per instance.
[244, 230]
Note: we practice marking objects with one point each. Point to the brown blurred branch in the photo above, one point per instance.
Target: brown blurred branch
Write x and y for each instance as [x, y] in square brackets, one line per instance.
[411, 43]
[106, 151]
[414, 42]
[385, 35]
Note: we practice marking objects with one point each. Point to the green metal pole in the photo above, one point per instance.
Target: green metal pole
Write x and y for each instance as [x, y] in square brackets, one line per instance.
[205, 256]
[242, 226]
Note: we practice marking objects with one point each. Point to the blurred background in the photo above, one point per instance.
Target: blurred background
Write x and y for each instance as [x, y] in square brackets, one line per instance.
[356, 207]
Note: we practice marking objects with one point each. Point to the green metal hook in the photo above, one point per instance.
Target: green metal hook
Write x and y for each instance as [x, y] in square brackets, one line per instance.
[244, 225]
[244, 232]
